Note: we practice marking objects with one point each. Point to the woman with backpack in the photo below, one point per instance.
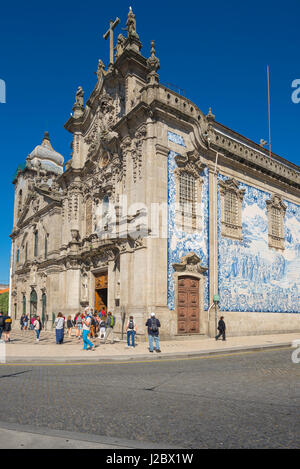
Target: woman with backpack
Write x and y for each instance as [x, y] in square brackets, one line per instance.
[131, 331]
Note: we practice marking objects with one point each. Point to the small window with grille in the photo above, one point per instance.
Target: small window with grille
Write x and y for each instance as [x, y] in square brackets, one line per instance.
[187, 193]
[276, 211]
[231, 208]
[276, 221]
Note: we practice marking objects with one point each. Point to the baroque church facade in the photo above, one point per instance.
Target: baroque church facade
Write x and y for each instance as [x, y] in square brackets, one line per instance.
[160, 208]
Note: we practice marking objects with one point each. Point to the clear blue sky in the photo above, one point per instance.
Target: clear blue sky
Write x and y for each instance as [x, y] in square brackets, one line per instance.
[217, 51]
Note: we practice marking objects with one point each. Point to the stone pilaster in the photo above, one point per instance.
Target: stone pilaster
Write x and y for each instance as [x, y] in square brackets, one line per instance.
[213, 243]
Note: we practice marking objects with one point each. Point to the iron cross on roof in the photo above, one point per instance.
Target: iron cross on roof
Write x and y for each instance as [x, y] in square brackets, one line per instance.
[110, 33]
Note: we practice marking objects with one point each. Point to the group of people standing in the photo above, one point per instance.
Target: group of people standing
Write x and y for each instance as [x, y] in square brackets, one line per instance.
[88, 325]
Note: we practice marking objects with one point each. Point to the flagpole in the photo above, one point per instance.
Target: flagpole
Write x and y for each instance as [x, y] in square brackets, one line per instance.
[269, 109]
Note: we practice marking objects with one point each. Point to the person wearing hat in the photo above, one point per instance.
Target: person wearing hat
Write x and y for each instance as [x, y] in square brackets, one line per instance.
[153, 325]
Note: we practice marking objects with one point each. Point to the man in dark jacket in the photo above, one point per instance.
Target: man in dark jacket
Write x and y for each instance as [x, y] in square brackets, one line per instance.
[221, 328]
[153, 325]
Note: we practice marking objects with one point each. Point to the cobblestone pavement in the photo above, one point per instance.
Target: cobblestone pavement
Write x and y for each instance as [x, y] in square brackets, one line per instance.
[243, 401]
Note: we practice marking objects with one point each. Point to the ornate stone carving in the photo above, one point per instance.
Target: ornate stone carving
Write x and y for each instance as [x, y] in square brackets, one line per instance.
[131, 25]
[100, 70]
[120, 46]
[78, 107]
[153, 64]
[137, 154]
[190, 263]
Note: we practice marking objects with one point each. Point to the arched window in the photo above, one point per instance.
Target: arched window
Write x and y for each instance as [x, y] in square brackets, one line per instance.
[24, 304]
[18, 255]
[33, 303]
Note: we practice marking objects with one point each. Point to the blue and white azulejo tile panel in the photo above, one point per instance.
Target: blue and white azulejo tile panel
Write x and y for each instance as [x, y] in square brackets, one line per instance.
[181, 243]
[252, 276]
[175, 138]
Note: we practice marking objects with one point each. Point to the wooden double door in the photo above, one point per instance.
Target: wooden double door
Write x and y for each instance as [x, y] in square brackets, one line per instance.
[101, 285]
[188, 305]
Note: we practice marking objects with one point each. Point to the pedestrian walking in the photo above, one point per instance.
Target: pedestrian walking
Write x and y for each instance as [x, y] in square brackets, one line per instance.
[93, 327]
[102, 331]
[37, 327]
[22, 318]
[32, 319]
[85, 332]
[7, 327]
[2, 317]
[153, 325]
[131, 329]
[221, 329]
[25, 322]
[110, 324]
[69, 326]
[60, 328]
[78, 322]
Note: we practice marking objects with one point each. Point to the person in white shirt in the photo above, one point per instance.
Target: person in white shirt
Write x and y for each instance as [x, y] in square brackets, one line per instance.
[37, 327]
[85, 332]
[60, 328]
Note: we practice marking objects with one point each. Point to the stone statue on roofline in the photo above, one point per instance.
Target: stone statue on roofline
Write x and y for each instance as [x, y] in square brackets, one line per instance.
[131, 25]
[78, 107]
[120, 46]
[79, 96]
[101, 72]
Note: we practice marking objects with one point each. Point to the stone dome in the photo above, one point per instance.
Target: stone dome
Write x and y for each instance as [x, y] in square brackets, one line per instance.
[46, 157]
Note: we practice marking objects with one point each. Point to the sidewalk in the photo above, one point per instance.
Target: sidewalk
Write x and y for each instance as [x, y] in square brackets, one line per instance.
[24, 349]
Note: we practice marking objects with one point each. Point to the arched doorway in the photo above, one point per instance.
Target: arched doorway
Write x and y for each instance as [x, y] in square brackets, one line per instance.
[188, 305]
[33, 303]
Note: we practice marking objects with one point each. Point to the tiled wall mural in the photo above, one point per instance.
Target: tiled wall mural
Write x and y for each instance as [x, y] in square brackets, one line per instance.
[253, 277]
[181, 243]
[175, 138]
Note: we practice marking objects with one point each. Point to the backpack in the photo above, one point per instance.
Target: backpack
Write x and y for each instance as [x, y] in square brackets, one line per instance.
[154, 327]
[8, 320]
[131, 324]
[112, 321]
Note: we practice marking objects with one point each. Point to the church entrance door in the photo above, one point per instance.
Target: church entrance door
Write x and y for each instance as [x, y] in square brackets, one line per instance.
[188, 305]
[101, 283]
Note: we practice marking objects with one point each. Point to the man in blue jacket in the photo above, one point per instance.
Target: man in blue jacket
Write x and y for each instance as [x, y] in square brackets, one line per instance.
[153, 325]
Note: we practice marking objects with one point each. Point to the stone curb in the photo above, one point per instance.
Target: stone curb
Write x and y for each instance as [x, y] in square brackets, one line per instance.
[107, 441]
[137, 358]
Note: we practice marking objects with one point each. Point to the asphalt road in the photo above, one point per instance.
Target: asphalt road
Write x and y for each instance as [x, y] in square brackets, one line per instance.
[247, 400]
